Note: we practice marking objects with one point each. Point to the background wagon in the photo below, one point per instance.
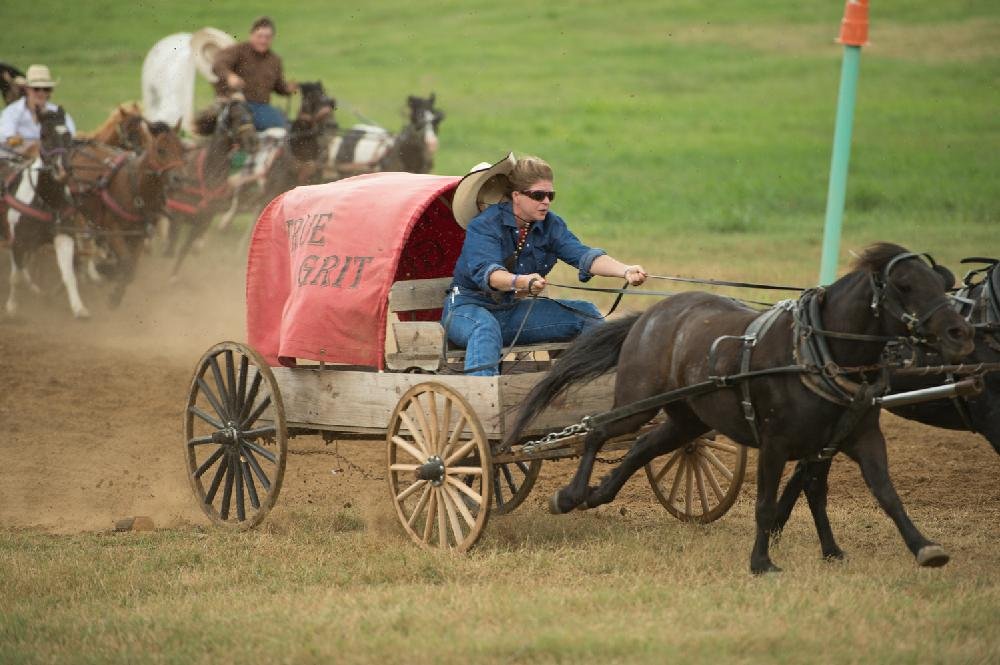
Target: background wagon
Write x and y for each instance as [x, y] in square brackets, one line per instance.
[345, 283]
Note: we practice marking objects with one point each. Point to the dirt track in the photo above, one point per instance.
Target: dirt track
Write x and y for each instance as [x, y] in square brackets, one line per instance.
[91, 416]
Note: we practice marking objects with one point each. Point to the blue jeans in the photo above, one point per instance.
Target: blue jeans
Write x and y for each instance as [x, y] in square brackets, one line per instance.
[266, 116]
[484, 332]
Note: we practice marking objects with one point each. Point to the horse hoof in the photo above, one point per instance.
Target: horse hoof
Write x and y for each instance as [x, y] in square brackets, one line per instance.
[837, 555]
[767, 567]
[932, 556]
[82, 314]
[554, 505]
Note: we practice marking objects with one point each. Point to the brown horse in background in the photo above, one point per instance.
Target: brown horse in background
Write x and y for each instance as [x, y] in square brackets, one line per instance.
[201, 189]
[124, 128]
[122, 193]
[824, 408]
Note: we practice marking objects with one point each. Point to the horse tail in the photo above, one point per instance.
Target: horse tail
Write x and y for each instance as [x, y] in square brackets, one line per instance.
[593, 354]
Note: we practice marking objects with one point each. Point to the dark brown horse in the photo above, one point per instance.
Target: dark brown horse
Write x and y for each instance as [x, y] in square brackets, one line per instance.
[122, 193]
[202, 188]
[979, 413]
[39, 211]
[808, 388]
[11, 88]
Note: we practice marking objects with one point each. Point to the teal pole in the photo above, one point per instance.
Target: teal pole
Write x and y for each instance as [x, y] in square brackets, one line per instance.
[836, 194]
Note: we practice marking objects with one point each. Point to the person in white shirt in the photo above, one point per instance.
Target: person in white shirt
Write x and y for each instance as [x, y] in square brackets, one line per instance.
[19, 121]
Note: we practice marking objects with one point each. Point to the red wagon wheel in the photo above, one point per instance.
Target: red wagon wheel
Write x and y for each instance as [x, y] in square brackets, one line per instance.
[700, 481]
[235, 436]
[439, 468]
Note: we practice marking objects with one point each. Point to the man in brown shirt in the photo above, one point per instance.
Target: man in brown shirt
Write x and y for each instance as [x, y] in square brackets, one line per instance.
[251, 67]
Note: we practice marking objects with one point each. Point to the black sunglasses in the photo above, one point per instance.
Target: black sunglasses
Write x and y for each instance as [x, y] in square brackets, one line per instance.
[48, 90]
[539, 194]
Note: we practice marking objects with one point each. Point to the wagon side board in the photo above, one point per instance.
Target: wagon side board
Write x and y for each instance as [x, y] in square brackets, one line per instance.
[363, 401]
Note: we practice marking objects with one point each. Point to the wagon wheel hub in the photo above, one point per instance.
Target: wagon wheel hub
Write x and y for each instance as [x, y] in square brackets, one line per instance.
[432, 470]
[226, 436]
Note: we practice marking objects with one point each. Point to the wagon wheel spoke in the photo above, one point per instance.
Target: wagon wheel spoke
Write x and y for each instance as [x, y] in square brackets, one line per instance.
[418, 455]
[712, 480]
[688, 503]
[452, 510]
[424, 496]
[213, 400]
[711, 474]
[512, 483]
[417, 435]
[249, 484]
[224, 398]
[666, 467]
[429, 522]
[439, 470]
[231, 382]
[207, 464]
[700, 482]
[248, 415]
[672, 498]
[255, 467]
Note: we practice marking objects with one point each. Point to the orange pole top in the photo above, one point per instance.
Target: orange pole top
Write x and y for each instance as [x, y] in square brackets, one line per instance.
[854, 26]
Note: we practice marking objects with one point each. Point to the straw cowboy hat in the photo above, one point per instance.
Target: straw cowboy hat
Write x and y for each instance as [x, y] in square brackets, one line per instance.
[483, 186]
[37, 76]
[205, 44]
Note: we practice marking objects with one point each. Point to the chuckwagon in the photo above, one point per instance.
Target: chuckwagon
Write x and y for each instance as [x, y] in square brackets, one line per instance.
[345, 284]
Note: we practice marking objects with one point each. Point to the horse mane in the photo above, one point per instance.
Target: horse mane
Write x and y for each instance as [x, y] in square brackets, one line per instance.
[874, 257]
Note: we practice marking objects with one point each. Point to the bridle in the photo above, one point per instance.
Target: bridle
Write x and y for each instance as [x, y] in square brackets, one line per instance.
[888, 298]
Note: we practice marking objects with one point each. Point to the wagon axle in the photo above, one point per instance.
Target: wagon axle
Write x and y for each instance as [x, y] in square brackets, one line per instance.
[229, 435]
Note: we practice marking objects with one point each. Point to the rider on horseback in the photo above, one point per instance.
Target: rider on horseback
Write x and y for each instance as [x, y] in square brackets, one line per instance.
[251, 67]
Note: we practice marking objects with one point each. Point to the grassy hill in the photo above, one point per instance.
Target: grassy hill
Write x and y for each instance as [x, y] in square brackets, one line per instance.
[691, 138]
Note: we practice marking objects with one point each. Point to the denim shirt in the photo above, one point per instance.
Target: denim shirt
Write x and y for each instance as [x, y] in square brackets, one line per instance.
[492, 236]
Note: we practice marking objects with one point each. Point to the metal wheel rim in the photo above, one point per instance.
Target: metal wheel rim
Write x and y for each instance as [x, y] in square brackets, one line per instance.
[236, 440]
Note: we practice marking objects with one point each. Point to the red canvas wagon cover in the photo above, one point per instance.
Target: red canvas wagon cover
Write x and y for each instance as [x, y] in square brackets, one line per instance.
[323, 258]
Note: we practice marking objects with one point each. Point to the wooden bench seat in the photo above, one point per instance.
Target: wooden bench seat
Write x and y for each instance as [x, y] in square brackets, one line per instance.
[419, 344]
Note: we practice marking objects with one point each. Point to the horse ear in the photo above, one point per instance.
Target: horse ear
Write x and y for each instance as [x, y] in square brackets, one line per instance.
[177, 127]
[947, 276]
[431, 99]
[411, 100]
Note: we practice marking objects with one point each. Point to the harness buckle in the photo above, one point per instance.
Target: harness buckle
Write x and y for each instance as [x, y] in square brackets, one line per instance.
[748, 411]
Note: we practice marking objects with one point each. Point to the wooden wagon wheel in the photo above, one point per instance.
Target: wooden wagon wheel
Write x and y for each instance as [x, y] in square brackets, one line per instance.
[235, 436]
[512, 483]
[699, 482]
[439, 468]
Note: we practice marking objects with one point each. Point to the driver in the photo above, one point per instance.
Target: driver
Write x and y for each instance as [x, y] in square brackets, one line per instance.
[509, 248]
[251, 67]
[19, 126]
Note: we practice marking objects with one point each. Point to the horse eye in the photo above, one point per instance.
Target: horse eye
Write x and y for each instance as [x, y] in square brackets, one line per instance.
[904, 287]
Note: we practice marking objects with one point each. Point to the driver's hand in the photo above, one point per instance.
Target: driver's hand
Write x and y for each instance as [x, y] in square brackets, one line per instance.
[234, 81]
[635, 275]
[537, 284]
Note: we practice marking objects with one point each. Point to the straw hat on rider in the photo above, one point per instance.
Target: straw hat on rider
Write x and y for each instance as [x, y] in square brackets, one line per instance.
[37, 76]
[483, 186]
[205, 44]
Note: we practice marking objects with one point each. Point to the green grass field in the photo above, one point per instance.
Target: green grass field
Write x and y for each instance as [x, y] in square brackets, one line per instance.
[692, 137]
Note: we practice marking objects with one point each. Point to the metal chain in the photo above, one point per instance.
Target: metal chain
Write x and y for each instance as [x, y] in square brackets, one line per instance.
[554, 439]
